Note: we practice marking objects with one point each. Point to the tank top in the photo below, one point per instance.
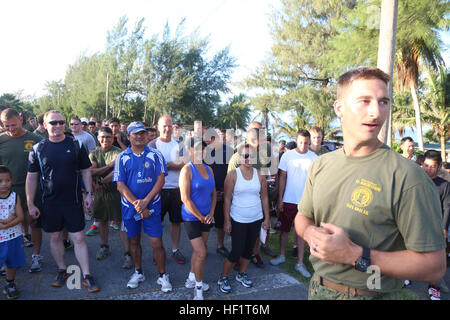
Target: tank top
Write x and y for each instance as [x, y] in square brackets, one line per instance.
[201, 190]
[246, 204]
[8, 209]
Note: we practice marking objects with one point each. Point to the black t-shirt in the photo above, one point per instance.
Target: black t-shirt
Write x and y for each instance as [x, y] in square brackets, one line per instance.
[443, 187]
[219, 163]
[60, 179]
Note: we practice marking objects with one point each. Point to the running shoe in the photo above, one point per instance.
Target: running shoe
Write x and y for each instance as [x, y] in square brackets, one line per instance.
[190, 284]
[27, 241]
[164, 282]
[89, 282]
[267, 251]
[60, 278]
[434, 293]
[257, 261]
[103, 252]
[278, 260]
[198, 293]
[244, 280]
[11, 291]
[135, 279]
[93, 230]
[36, 264]
[127, 263]
[67, 244]
[300, 267]
[114, 225]
[224, 285]
[178, 256]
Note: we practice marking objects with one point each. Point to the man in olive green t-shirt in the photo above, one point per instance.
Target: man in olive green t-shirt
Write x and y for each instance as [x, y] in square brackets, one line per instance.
[107, 205]
[370, 217]
[15, 144]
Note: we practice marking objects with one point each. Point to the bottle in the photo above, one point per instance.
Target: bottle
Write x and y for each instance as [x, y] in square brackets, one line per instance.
[138, 216]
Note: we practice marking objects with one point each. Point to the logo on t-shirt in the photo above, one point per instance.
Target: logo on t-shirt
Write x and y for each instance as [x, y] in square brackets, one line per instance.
[362, 196]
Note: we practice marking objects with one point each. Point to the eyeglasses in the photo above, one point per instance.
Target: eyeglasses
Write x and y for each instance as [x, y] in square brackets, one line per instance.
[246, 156]
[55, 122]
[74, 123]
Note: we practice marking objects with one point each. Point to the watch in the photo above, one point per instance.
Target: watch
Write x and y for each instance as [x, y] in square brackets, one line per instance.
[363, 262]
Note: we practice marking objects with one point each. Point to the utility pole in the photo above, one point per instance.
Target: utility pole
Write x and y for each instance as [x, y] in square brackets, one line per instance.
[107, 95]
[386, 55]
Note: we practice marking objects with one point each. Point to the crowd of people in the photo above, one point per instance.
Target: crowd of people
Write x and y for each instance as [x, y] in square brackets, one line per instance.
[358, 206]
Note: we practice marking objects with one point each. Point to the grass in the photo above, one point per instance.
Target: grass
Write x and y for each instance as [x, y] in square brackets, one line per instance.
[288, 266]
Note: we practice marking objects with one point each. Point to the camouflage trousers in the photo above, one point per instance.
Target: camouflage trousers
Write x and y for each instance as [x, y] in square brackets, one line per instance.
[321, 292]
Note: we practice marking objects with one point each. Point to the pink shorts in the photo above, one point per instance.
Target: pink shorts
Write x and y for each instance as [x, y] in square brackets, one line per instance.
[286, 219]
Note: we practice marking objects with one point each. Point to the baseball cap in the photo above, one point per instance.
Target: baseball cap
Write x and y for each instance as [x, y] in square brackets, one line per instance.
[85, 120]
[135, 127]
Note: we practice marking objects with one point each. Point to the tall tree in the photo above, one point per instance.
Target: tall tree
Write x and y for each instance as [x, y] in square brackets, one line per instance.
[234, 114]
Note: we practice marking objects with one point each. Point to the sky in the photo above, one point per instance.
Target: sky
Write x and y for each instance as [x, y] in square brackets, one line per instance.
[42, 38]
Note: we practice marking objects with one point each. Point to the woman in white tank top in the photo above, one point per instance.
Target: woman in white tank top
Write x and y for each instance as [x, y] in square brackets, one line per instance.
[246, 207]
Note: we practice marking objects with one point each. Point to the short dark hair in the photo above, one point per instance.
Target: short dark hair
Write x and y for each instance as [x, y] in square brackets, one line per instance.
[303, 133]
[152, 129]
[420, 158]
[105, 129]
[114, 120]
[5, 169]
[9, 113]
[365, 73]
[433, 155]
[91, 123]
[446, 165]
[40, 119]
[404, 139]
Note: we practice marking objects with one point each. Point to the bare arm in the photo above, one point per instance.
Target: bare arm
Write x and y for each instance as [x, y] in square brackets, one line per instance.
[17, 218]
[229, 183]
[31, 186]
[265, 201]
[281, 188]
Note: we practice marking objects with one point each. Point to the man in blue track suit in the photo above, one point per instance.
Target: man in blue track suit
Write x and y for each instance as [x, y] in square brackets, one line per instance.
[139, 172]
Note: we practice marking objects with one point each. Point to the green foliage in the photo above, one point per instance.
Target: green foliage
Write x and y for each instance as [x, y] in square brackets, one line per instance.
[235, 113]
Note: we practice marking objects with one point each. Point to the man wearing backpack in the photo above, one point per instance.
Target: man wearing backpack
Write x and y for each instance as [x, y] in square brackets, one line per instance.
[61, 162]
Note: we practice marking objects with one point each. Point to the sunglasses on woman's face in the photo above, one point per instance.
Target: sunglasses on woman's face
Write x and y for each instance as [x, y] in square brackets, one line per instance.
[55, 122]
[247, 155]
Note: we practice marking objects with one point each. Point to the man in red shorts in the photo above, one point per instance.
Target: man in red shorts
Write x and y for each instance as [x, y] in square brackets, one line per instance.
[293, 167]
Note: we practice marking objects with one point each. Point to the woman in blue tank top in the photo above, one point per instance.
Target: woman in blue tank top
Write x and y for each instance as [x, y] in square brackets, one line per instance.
[198, 194]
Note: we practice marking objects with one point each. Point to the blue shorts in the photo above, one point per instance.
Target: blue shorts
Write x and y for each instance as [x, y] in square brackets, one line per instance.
[152, 226]
[12, 253]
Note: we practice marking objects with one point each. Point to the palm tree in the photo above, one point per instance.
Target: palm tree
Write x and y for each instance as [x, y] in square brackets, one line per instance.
[234, 114]
[436, 111]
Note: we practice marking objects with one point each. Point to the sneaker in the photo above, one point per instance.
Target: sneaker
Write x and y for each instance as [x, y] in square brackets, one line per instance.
[93, 230]
[36, 264]
[272, 231]
[244, 280]
[114, 225]
[89, 282]
[267, 251]
[278, 260]
[224, 285]
[434, 293]
[223, 252]
[257, 261]
[190, 284]
[103, 252]
[127, 263]
[300, 267]
[11, 291]
[27, 241]
[67, 244]
[237, 266]
[407, 283]
[60, 278]
[164, 282]
[135, 279]
[294, 252]
[178, 256]
[198, 293]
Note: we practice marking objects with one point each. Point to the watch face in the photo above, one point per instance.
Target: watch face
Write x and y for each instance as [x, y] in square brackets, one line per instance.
[362, 264]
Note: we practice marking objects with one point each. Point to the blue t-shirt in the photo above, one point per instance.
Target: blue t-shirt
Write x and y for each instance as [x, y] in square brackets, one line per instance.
[139, 173]
[201, 190]
[60, 179]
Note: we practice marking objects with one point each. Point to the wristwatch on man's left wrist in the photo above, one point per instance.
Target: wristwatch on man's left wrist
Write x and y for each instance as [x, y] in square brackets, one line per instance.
[363, 262]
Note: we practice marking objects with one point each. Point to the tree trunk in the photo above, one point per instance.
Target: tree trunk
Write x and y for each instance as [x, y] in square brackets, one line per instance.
[418, 118]
[443, 151]
[107, 95]
[386, 55]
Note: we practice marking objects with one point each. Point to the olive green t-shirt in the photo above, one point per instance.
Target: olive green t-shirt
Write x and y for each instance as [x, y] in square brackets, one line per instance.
[14, 154]
[382, 201]
[103, 158]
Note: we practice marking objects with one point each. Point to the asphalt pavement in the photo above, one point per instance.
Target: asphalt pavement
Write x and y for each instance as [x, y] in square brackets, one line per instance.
[270, 282]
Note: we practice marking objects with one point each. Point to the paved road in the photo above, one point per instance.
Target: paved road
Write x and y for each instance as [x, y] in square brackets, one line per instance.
[270, 283]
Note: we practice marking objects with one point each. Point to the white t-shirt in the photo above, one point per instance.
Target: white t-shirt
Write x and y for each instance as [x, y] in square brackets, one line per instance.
[86, 139]
[8, 209]
[296, 166]
[170, 152]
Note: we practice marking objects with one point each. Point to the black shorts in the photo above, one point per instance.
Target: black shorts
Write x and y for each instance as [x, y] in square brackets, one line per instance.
[56, 217]
[171, 202]
[194, 229]
[218, 215]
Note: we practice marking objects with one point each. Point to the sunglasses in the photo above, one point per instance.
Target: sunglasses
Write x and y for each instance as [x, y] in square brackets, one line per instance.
[55, 122]
[74, 123]
[246, 156]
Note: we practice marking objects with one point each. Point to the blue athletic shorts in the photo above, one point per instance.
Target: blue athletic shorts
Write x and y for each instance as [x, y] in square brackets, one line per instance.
[12, 253]
[152, 226]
